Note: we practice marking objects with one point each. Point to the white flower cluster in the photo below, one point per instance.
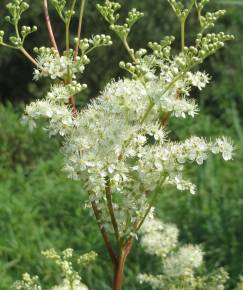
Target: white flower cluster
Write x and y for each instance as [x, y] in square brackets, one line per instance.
[199, 79]
[61, 93]
[59, 117]
[110, 143]
[28, 283]
[177, 262]
[76, 285]
[51, 64]
[156, 282]
[184, 261]
[158, 238]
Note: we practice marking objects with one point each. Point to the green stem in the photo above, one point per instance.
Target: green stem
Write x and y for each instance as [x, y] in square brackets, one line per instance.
[67, 38]
[68, 21]
[17, 29]
[111, 210]
[129, 50]
[9, 46]
[28, 56]
[80, 21]
[153, 199]
[150, 107]
[182, 34]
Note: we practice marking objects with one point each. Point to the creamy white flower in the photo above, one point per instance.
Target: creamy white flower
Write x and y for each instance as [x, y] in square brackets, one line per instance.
[158, 238]
[198, 79]
[184, 261]
[223, 145]
[51, 64]
[77, 285]
[156, 282]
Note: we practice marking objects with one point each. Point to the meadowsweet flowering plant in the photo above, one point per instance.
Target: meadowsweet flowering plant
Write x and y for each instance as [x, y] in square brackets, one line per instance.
[118, 146]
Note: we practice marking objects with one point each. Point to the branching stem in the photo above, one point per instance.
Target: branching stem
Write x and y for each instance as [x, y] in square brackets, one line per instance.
[119, 271]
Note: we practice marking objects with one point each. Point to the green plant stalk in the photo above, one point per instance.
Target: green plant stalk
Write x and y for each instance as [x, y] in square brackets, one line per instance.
[182, 34]
[68, 80]
[25, 53]
[150, 205]
[150, 107]
[111, 210]
[68, 21]
[80, 21]
[129, 50]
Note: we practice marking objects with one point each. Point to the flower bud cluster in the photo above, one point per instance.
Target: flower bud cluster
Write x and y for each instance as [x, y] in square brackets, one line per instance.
[27, 30]
[71, 278]
[64, 261]
[201, 4]
[208, 21]
[87, 45]
[108, 11]
[16, 8]
[60, 6]
[179, 9]
[162, 49]
[210, 43]
[16, 41]
[28, 283]
[87, 258]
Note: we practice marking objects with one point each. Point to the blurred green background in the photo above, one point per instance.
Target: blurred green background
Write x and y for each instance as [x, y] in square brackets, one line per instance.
[40, 208]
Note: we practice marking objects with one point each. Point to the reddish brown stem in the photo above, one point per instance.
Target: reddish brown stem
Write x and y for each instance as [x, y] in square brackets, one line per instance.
[73, 106]
[104, 235]
[164, 120]
[49, 26]
[119, 270]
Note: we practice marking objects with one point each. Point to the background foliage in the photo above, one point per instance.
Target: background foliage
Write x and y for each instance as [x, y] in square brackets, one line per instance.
[39, 208]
